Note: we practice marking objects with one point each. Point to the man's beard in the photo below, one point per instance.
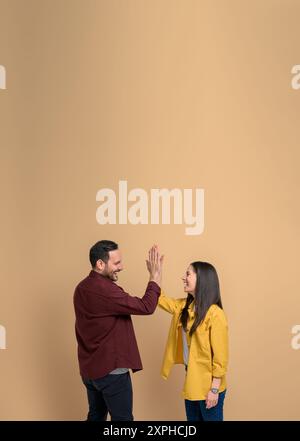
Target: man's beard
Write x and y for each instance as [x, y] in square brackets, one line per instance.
[114, 277]
[111, 275]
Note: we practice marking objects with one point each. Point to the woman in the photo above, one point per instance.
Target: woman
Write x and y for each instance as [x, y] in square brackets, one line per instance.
[198, 338]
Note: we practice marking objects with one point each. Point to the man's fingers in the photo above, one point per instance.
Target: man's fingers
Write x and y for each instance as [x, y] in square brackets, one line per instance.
[154, 256]
[151, 255]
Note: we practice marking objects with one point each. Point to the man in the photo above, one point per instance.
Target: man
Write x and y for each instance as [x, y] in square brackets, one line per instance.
[107, 346]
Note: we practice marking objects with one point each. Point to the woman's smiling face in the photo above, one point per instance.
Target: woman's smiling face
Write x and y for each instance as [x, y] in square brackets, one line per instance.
[189, 280]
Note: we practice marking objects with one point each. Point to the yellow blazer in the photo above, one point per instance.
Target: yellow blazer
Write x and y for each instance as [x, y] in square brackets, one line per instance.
[208, 348]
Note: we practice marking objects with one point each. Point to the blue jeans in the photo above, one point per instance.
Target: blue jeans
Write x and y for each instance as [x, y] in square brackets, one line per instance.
[196, 410]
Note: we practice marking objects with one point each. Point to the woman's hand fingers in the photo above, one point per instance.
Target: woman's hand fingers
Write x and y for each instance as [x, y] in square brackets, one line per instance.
[211, 402]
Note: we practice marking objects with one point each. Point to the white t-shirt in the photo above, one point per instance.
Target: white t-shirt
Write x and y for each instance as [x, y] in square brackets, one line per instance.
[185, 348]
[185, 345]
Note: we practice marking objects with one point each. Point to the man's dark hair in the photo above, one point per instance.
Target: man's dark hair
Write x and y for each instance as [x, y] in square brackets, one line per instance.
[100, 251]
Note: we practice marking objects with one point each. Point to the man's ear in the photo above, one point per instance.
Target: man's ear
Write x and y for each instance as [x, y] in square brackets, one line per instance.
[100, 265]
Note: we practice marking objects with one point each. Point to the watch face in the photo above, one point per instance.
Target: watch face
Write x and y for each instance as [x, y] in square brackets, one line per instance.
[214, 390]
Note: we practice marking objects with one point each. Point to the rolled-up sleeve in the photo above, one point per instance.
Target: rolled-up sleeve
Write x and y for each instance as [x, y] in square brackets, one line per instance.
[219, 343]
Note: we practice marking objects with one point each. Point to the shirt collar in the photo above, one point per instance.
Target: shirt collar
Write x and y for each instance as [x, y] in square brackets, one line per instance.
[97, 275]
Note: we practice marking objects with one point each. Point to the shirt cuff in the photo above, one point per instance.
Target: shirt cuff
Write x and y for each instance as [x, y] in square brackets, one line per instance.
[155, 287]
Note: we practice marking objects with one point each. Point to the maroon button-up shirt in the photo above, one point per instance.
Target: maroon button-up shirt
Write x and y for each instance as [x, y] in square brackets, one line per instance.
[104, 328]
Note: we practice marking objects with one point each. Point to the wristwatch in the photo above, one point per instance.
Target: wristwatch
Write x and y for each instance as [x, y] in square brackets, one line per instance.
[214, 390]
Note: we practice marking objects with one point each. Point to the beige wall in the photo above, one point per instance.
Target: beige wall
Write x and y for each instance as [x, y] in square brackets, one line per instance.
[186, 94]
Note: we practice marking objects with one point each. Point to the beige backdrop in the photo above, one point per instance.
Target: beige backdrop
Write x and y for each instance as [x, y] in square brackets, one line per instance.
[163, 94]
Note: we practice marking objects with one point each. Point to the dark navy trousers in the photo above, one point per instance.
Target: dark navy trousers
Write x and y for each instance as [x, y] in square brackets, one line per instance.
[110, 394]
